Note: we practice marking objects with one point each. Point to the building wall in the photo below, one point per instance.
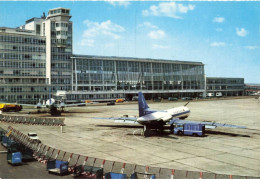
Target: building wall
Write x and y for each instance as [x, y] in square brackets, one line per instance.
[225, 86]
[22, 67]
[130, 75]
[59, 45]
[252, 89]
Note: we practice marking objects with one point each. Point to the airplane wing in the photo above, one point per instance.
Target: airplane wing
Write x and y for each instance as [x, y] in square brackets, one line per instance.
[207, 124]
[132, 120]
[62, 105]
[78, 104]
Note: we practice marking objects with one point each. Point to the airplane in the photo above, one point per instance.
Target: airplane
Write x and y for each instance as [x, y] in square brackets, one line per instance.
[53, 105]
[153, 119]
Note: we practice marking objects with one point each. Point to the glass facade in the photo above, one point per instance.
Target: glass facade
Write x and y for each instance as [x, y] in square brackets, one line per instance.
[22, 68]
[227, 86]
[61, 49]
[131, 74]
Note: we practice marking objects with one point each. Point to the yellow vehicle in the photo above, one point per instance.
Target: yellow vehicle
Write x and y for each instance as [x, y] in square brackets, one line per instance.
[10, 107]
[88, 101]
[120, 100]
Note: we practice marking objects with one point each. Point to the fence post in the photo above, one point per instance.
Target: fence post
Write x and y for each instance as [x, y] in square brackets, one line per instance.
[172, 176]
[103, 163]
[123, 168]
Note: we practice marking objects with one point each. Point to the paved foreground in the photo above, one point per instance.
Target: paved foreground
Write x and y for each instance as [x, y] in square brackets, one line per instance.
[222, 151]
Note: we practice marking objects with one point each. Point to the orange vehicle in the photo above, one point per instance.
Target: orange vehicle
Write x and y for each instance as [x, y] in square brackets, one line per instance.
[120, 100]
[10, 107]
[88, 101]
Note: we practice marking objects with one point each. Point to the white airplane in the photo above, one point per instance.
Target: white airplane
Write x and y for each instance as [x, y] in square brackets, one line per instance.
[53, 105]
[153, 119]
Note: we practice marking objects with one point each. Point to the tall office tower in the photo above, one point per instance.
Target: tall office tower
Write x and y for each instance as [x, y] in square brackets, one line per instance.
[58, 31]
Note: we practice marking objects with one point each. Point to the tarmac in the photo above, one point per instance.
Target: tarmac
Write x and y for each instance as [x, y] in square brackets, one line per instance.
[222, 151]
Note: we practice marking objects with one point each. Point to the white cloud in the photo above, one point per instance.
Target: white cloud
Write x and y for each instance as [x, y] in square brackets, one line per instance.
[219, 19]
[185, 9]
[241, 32]
[156, 34]
[168, 9]
[106, 28]
[218, 44]
[219, 29]
[87, 42]
[149, 25]
[119, 3]
[251, 47]
[157, 46]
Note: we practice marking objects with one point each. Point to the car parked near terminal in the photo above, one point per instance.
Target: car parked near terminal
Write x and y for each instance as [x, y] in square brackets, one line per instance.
[172, 99]
[186, 98]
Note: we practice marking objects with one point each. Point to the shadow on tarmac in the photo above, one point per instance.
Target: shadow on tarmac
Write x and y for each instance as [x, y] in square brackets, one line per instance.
[121, 126]
[225, 133]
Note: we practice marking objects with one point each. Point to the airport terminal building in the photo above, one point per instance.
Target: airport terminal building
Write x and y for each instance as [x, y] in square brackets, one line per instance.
[97, 77]
[221, 86]
[36, 61]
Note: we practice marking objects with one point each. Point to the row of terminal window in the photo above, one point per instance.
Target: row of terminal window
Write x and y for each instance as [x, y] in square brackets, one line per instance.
[15, 64]
[23, 80]
[64, 11]
[22, 48]
[20, 39]
[22, 56]
[22, 73]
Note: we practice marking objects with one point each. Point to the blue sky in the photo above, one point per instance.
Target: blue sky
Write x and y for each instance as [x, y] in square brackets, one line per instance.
[225, 36]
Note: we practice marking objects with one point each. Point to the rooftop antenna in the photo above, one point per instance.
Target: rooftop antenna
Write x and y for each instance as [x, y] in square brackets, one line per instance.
[43, 15]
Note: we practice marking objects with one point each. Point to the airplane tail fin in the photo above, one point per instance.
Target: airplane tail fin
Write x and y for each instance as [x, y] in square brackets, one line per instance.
[142, 105]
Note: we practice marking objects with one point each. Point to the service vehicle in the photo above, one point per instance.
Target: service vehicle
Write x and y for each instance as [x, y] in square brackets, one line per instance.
[191, 129]
[210, 95]
[57, 166]
[111, 103]
[14, 157]
[34, 138]
[135, 98]
[10, 107]
[120, 100]
[219, 94]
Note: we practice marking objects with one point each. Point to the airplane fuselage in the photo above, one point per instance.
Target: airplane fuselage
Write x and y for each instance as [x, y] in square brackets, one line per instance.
[164, 116]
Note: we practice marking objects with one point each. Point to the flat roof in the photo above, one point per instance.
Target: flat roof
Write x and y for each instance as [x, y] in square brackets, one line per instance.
[133, 59]
[222, 78]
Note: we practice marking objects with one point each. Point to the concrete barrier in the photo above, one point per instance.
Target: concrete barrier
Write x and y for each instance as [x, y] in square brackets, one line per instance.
[43, 152]
[32, 120]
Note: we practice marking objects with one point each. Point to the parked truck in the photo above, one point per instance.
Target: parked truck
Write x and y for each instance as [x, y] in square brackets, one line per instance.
[10, 107]
[191, 129]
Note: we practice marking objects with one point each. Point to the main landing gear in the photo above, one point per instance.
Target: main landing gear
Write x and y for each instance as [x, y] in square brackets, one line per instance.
[148, 130]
